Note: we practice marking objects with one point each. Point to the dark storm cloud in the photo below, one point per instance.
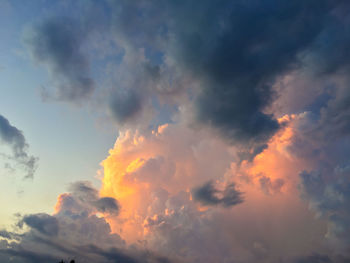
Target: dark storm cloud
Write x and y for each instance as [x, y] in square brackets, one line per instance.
[330, 53]
[14, 138]
[135, 86]
[209, 195]
[235, 51]
[57, 43]
[238, 49]
[125, 105]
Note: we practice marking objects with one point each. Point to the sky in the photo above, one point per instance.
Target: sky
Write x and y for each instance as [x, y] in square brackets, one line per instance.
[175, 131]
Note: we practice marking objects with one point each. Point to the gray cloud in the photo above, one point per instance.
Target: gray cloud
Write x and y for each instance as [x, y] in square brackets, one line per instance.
[9, 235]
[134, 86]
[239, 52]
[14, 138]
[74, 232]
[43, 223]
[85, 195]
[124, 105]
[57, 43]
[316, 258]
[322, 140]
[233, 52]
[23, 256]
[209, 195]
[37, 248]
[269, 186]
[329, 195]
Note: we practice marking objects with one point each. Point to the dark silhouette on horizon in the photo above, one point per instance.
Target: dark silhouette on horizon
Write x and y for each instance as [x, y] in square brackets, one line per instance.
[72, 261]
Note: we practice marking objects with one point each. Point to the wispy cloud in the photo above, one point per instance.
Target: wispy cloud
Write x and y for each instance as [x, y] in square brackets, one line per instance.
[14, 138]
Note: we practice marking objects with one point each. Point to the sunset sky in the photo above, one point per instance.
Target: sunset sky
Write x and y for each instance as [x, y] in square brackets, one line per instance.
[144, 131]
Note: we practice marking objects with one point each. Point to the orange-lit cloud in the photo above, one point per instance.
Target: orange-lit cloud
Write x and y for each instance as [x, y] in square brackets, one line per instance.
[152, 176]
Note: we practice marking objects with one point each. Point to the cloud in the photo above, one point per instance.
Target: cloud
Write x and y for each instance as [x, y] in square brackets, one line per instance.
[84, 197]
[124, 105]
[209, 195]
[329, 195]
[44, 223]
[57, 44]
[232, 71]
[235, 69]
[321, 141]
[72, 234]
[14, 138]
[316, 258]
[155, 175]
[225, 75]
[269, 186]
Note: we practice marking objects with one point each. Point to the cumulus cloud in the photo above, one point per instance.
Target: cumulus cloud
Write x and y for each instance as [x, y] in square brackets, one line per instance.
[164, 182]
[321, 140]
[72, 233]
[328, 193]
[238, 68]
[14, 138]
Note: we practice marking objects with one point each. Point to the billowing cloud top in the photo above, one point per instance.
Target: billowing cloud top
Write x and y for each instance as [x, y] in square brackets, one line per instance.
[74, 231]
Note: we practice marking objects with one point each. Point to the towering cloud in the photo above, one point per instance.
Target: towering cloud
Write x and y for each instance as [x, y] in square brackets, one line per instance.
[253, 165]
[11, 136]
[186, 194]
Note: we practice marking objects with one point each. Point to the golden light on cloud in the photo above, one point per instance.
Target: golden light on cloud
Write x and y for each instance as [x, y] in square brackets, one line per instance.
[139, 175]
[59, 202]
